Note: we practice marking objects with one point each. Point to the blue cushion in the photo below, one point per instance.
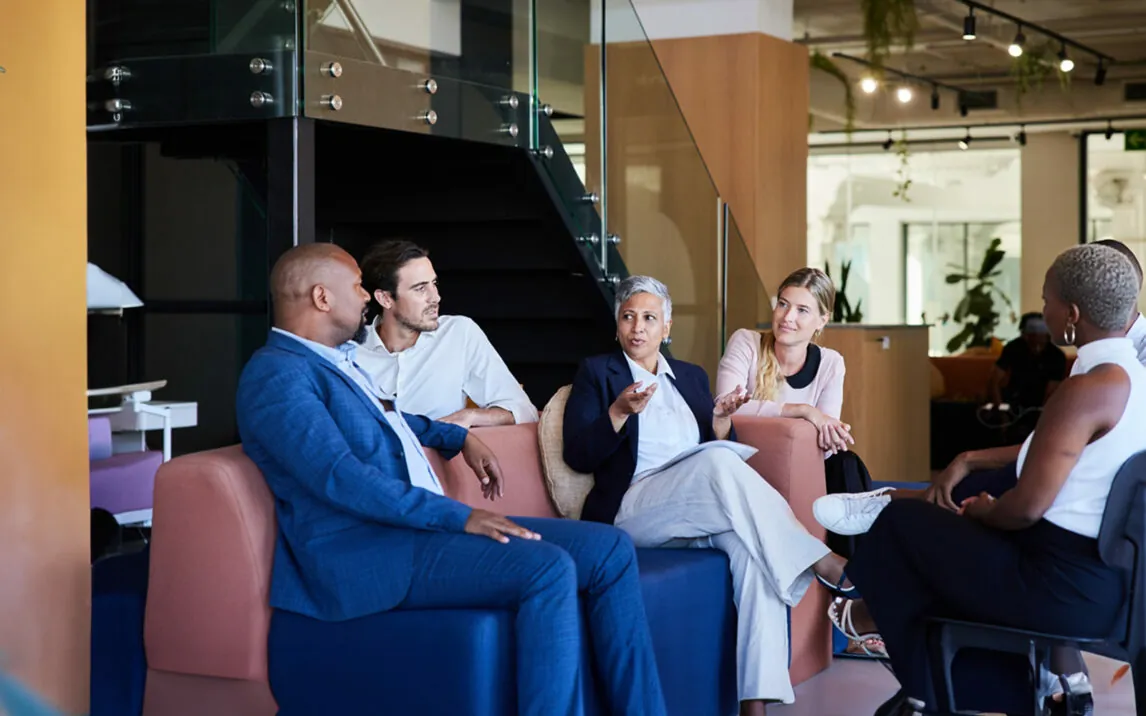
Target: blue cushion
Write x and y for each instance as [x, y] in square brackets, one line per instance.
[402, 659]
[412, 662]
[688, 598]
[119, 667]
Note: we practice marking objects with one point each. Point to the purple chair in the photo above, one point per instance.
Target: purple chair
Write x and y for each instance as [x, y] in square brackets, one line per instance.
[121, 483]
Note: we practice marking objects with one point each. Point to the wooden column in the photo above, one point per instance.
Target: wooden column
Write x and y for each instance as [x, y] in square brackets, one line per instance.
[746, 101]
[45, 590]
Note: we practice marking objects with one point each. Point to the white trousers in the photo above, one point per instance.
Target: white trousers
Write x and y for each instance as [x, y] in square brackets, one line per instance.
[714, 499]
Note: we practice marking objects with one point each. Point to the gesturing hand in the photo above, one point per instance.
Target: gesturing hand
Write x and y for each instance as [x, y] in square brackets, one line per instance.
[633, 400]
[484, 464]
[496, 527]
[727, 404]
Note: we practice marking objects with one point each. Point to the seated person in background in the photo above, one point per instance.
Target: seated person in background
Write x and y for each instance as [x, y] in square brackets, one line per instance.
[1029, 369]
[1032, 560]
[433, 363]
[629, 414]
[363, 525]
[790, 376]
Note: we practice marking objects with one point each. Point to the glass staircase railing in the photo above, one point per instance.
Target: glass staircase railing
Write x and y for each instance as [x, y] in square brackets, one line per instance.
[578, 85]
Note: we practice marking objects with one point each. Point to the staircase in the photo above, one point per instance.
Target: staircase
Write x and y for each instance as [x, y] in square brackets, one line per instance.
[505, 252]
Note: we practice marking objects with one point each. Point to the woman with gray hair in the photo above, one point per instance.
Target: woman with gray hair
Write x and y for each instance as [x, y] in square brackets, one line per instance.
[1029, 558]
[635, 419]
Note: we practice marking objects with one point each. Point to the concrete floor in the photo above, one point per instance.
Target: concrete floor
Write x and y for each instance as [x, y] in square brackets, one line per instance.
[853, 687]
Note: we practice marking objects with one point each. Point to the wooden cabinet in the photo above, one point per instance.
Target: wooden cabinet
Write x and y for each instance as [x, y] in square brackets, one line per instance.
[887, 397]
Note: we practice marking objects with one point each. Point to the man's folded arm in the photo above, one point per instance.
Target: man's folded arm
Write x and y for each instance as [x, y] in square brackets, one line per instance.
[308, 444]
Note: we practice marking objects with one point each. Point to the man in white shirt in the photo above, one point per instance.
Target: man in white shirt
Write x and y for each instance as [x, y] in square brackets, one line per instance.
[432, 363]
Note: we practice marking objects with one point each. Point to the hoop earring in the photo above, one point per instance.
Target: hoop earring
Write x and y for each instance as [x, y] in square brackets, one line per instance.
[1068, 334]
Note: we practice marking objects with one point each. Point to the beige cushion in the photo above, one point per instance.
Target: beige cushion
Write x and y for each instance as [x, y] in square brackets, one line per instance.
[567, 488]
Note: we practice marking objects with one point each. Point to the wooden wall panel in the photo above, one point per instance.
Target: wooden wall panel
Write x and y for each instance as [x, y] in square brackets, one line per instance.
[45, 602]
[887, 397]
[746, 101]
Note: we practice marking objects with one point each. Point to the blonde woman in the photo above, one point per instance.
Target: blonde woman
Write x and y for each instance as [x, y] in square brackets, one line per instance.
[788, 374]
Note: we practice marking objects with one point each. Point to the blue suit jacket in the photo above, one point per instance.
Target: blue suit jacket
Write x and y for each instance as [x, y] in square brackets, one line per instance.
[345, 506]
[591, 444]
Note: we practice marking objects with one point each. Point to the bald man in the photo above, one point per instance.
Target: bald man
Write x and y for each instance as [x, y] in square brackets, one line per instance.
[364, 526]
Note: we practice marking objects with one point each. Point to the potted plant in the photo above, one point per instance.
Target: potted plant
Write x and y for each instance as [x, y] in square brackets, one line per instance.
[976, 310]
[843, 312]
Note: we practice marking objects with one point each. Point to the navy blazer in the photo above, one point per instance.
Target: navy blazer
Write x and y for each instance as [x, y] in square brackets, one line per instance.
[591, 444]
[346, 510]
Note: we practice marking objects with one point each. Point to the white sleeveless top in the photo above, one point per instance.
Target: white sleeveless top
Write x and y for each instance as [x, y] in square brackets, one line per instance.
[1082, 499]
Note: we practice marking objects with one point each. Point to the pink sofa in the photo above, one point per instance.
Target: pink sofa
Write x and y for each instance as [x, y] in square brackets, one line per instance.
[207, 617]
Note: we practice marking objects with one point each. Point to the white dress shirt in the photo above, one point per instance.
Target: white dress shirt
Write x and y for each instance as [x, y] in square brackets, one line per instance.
[419, 468]
[667, 426]
[434, 376]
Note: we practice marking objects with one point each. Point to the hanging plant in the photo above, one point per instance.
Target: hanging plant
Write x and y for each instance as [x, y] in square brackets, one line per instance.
[887, 23]
[903, 173]
[820, 61]
[1031, 69]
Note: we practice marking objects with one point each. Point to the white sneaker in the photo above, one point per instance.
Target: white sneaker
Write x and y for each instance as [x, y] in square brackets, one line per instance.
[850, 513]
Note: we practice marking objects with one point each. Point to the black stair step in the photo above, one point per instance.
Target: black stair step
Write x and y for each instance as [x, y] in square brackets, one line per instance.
[534, 342]
[468, 249]
[520, 296]
[442, 205]
[541, 381]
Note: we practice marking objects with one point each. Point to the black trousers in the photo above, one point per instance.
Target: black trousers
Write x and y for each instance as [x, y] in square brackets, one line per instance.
[993, 482]
[921, 561]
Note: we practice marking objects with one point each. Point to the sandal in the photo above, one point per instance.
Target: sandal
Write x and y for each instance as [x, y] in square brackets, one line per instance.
[840, 615]
[838, 588]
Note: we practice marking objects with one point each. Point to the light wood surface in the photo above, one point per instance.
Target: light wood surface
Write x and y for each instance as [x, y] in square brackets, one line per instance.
[887, 397]
[45, 583]
[745, 98]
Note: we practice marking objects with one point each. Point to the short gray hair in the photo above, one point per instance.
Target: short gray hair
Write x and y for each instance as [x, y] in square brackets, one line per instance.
[642, 284]
[1100, 281]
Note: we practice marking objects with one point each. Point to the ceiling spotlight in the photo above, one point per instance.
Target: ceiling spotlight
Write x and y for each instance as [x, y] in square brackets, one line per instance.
[887, 144]
[1100, 73]
[969, 25]
[934, 98]
[1109, 133]
[1064, 62]
[965, 142]
[869, 85]
[1016, 47]
[904, 95]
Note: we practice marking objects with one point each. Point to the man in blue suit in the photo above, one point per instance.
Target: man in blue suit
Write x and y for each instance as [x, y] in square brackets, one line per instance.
[364, 527]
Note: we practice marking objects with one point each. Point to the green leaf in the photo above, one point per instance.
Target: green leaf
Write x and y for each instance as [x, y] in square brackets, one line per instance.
[959, 339]
[961, 309]
[956, 277]
[992, 259]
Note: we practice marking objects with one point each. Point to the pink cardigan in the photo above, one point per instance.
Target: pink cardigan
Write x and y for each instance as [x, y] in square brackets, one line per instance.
[738, 367]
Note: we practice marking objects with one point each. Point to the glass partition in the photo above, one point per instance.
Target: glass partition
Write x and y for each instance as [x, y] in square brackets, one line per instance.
[660, 203]
[745, 300]
[901, 250]
[1116, 192]
[453, 68]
